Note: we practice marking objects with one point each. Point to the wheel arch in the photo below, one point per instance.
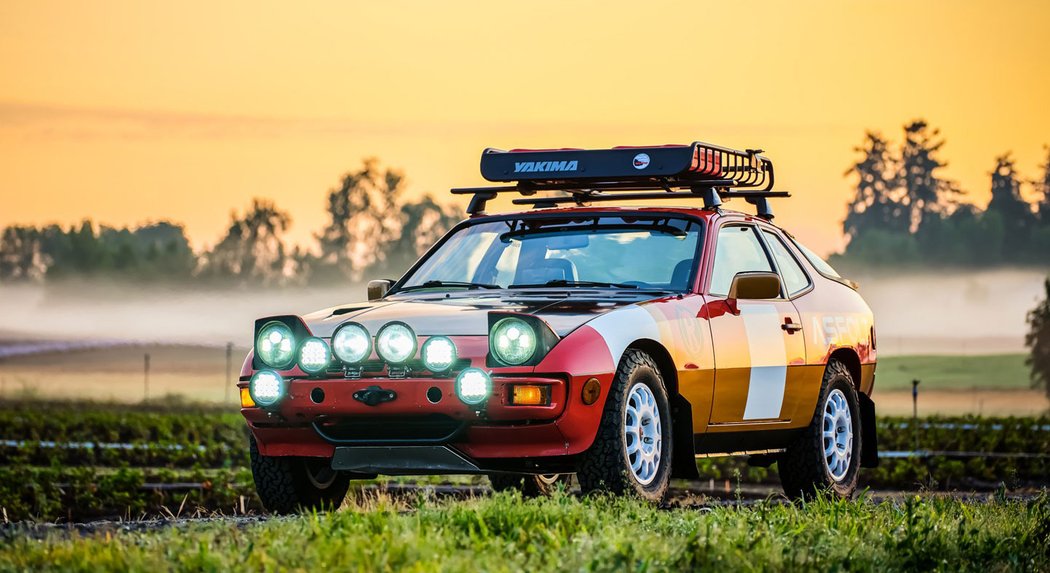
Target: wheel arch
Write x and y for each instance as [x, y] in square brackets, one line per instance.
[683, 461]
[849, 358]
[869, 440]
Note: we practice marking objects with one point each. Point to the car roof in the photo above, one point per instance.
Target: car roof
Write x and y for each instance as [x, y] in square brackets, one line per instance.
[695, 212]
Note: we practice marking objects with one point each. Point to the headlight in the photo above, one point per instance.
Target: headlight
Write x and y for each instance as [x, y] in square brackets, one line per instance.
[275, 345]
[314, 355]
[266, 388]
[351, 343]
[439, 354]
[396, 343]
[473, 386]
[513, 341]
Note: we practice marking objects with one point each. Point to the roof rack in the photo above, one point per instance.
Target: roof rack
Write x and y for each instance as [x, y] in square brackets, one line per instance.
[707, 172]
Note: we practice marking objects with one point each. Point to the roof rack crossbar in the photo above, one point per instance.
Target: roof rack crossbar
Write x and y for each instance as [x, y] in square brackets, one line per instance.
[755, 198]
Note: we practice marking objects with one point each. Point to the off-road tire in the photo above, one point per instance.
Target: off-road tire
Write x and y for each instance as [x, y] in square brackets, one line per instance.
[284, 485]
[803, 470]
[604, 467]
[530, 485]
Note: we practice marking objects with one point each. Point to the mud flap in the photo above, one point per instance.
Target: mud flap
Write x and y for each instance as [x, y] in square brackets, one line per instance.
[683, 462]
[869, 452]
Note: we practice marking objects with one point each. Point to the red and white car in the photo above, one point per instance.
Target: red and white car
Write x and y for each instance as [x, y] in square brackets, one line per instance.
[616, 343]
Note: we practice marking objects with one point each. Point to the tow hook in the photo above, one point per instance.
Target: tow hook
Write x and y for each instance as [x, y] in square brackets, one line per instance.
[374, 395]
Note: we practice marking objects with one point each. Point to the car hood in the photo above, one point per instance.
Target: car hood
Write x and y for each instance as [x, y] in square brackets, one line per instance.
[466, 314]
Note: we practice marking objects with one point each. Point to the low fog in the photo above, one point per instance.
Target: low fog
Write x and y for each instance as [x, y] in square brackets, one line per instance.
[956, 313]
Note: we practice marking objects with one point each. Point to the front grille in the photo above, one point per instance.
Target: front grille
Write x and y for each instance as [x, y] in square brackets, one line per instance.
[428, 429]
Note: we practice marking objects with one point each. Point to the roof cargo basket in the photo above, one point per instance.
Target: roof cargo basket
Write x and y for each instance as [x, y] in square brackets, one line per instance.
[706, 172]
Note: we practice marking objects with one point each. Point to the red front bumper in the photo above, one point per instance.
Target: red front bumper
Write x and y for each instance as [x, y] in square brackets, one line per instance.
[494, 430]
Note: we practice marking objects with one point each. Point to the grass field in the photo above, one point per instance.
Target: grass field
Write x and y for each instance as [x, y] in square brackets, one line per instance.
[990, 372]
[565, 533]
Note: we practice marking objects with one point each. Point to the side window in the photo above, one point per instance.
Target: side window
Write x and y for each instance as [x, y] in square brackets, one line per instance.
[794, 277]
[818, 263]
[738, 250]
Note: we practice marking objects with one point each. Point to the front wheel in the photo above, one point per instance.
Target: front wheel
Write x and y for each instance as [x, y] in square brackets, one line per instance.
[530, 485]
[290, 484]
[631, 453]
[826, 457]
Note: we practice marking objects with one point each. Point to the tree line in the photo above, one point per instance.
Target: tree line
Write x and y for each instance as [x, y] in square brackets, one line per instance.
[372, 230]
[906, 212]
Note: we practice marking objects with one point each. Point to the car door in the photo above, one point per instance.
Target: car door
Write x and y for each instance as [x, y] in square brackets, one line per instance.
[757, 343]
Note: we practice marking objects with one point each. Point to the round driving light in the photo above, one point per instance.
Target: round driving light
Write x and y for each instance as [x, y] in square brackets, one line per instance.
[439, 354]
[513, 341]
[351, 343]
[473, 386]
[266, 388]
[396, 343]
[314, 355]
[275, 345]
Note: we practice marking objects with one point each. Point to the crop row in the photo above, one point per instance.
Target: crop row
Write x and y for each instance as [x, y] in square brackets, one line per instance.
[67, 422]
[85, 493]
[189, 425]
[34, 453]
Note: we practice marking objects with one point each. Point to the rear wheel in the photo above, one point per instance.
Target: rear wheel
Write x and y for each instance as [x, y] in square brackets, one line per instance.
[826, 457]
[289, 484]
[530, 485]
[631, 453]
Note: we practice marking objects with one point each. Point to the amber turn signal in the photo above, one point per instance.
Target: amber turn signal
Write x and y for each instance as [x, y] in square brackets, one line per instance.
[246, 399]
[530, 395]
[591, 390]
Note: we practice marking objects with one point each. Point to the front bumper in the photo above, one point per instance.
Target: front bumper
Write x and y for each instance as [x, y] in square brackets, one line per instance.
[493, 435]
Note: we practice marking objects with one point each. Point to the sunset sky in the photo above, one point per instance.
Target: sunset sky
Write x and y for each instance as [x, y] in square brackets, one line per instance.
[132, 111]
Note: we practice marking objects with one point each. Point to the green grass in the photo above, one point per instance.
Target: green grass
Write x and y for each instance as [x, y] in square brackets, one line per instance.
[504, 533]
[996, 371]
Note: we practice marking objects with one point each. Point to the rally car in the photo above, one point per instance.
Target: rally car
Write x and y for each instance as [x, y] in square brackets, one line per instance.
[616, 343]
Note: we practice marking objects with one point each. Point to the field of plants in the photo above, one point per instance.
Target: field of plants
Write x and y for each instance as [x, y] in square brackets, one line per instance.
[73, 461]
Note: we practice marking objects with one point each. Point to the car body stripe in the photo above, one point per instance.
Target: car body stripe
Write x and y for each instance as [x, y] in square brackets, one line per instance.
[623, 326]
[768, 379]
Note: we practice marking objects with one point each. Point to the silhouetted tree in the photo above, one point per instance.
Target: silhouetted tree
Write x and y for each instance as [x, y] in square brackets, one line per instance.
[1007, 203]
[21, 257]
[252, 252]
[928, 195]
[1038, 341]
[363, 215]
[421, 224]
[876, 204]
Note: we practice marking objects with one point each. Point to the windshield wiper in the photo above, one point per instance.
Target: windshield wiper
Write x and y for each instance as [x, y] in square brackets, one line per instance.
[565, 282]
[438, 284]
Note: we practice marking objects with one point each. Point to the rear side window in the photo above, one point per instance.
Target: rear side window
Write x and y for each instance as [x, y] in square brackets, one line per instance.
[738, 250]
[818, 263]
[795, 279]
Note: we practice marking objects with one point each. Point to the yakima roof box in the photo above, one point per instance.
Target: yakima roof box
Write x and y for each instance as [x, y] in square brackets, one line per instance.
[696, 161]
[708, 172]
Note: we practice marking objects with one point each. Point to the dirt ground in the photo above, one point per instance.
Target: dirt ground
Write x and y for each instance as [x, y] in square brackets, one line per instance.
[1014, 402]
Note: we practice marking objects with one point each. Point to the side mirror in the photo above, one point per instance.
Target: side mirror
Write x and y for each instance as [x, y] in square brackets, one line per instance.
[755, 285]
[377, 289]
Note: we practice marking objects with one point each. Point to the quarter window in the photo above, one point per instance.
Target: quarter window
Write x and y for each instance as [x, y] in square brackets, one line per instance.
[795, 279]
[738, 250]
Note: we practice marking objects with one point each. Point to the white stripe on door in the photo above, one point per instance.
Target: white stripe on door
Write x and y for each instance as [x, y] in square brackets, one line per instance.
[765, 342]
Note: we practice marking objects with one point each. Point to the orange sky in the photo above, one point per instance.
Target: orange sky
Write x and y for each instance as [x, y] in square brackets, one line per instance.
[131, 111]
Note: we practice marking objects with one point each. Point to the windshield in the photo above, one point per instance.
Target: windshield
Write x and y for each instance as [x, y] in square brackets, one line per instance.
[640, 252]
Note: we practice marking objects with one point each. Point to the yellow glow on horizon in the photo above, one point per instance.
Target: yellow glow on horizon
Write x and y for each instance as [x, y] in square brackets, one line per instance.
[129, 111]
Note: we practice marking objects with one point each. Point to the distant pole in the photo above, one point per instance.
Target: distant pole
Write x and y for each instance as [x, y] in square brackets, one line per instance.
[915, 414]
[145, 377]
[915, 399]
[229, 371]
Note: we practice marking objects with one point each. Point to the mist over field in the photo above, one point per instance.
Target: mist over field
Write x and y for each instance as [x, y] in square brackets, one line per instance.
[936, 313]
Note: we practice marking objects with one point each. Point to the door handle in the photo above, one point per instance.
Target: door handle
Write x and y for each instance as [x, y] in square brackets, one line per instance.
[790, 327]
